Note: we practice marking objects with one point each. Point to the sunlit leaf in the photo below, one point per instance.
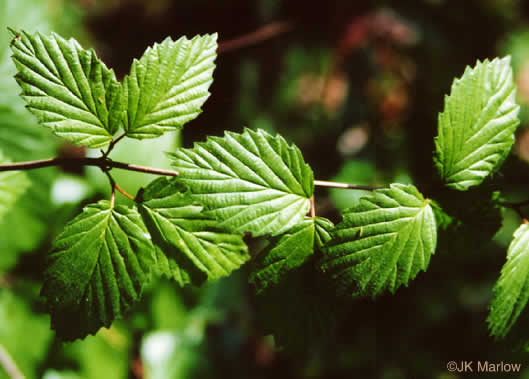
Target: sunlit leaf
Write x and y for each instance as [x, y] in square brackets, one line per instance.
[382, 243]
[251, 182]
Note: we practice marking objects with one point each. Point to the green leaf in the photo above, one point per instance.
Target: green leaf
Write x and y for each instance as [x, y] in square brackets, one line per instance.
[512, 289]
[476, 129]
[97, 269]
[250, 182]
[190, 246]
[383, 242]
[28, 220]
[282, 255]
[288, 252]
[169, 84]
[12, 185]
[19, 321]
[68, 88]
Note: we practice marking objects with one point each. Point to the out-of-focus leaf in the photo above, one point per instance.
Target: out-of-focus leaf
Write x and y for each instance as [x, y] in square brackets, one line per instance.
[24, 334]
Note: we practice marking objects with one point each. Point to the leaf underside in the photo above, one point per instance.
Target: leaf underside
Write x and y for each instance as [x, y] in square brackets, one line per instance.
[68, 88]
[250, 182]
[476, 128]
[97, 269]
[191, 247]
[512, 289]
[382, 243]
[168, 85]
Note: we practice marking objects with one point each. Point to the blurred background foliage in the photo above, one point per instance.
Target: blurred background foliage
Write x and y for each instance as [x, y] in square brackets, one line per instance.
[357, 85]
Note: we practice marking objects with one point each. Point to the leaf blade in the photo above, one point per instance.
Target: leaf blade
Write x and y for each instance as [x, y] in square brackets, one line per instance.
[192, 246]
[97, 269]
[68, 88]
[512, 288]
[382, 243]
[476, 128]
[251, 182]
[168, 85]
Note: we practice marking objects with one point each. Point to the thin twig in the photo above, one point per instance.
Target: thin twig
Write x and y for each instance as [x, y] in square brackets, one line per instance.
[262, 34]
[9, 365]
[323, 183]
[102, 162]
[123, 192]
[113, 143]
[312, 207]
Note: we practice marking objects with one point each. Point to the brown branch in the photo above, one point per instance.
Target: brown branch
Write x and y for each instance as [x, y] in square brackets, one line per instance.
[104, 163]
[262, 34]
[323, 183]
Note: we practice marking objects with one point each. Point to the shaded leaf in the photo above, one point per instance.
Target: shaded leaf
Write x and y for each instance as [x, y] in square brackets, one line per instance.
[190, 246]
[97, 269]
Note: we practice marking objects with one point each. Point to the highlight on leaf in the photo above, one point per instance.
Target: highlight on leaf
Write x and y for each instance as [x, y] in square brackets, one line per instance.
[250, 182]
[68, 88]
[97, 269]
[190, 246]
[167, 87]
[382, 243]
[512, 289]
[476, 128]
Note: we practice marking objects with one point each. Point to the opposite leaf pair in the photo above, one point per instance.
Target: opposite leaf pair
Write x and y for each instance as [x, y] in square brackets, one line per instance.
[71, 91]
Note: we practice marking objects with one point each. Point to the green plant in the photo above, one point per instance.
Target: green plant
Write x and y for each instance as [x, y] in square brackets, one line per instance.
[190, 224]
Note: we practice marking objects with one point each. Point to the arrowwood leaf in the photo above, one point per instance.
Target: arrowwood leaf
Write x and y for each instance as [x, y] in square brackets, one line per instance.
[382, 243]
[97, 269]
[168, 85]
[68, 88]
[250, 182]
[512, 288]
[476, 128]
[191, 247]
